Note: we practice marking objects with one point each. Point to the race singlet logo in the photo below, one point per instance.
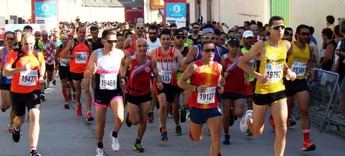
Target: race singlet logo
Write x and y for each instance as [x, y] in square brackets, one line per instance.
[165, 76]
[108, 81]
[208, 96]
[299, 68]
[28, 78]
[274, 72]
[81, 57]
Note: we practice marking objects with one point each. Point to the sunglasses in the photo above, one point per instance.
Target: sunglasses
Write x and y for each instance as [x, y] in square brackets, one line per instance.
[142, 28]
[9, 38]
[111, 41]
[305, 34]
[209, 50]
[196, 28]
[208, 38]
[278, 27]
[180, 37]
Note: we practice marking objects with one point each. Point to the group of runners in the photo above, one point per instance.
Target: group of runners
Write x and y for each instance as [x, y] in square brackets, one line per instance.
[201, 75]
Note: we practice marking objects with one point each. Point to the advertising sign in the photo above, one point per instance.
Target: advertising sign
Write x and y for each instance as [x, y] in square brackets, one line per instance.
[176, 13]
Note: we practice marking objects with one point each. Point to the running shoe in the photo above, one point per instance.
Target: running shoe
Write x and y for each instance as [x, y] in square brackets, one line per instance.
[15, 135]
[178, 130]
[54, 82]
[99, 152]
[89, 116]
[78, 110]
[291, 122]
[308, 146]
[138, 148]
[34, 153]
[244, 121]
[43, 97]
[66, 106]
[226, 139]
[115, 145]
[164, 137]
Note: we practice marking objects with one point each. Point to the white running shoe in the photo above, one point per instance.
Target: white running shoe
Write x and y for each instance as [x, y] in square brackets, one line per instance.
[115, 145]
[99, 152]
[244, 121]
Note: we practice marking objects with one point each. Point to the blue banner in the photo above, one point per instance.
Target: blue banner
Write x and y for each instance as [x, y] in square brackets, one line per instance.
[176, 13]
[176, 10]
[46, 9]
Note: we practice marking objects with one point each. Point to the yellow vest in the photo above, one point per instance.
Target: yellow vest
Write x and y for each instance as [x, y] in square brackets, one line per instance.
[298, 61]
[272, 66]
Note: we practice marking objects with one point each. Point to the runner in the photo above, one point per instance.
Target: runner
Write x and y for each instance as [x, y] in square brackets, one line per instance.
[178, 43]
[130, 41]
[232, 98]
[269, 88]
[207, 34]
[49, 49]
[166, 60]
[153, 43]
[138, 91]
[79, 50]
[28, 72]
[105, 63]
[205, 78]
[64, 73]
[5, 82]
[300, 57]
[247, 38]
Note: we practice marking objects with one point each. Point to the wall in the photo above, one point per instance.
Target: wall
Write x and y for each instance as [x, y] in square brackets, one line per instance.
[21, 8]
[305, 12]
[69, 10]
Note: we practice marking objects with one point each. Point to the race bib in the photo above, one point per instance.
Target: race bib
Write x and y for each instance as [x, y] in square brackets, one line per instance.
[208, 96]
[64, 62]
[165, 76]
[81, 57]
[108, 81]
[274, 72]
[28, 78]
[299, 68]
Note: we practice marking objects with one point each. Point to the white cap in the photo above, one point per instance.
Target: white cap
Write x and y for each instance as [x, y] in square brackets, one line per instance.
[247, 34]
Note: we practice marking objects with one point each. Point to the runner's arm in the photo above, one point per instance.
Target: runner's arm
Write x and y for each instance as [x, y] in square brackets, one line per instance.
[252, 53]
[90, 68]
[185, 76]
[66, 52]
[190, 57]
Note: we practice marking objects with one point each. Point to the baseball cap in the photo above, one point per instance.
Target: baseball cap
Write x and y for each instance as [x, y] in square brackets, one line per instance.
[178, 32]
[247, 34]
[234, 41]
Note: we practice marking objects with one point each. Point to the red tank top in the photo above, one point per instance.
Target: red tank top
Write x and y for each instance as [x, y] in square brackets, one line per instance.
[166, 64]
[139, 77]
[234, 83]
[79, 63]
[205, 75]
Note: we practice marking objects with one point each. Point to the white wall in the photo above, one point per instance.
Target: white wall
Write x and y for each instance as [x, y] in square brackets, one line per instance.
[235, 12]
[314, 14]
[21, 8]
[69, 10]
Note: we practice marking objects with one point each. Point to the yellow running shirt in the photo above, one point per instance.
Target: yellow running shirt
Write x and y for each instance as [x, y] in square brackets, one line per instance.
[272, 66]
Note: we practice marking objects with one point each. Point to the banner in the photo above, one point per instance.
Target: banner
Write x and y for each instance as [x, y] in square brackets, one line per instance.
[176, 13]
[46, 11]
